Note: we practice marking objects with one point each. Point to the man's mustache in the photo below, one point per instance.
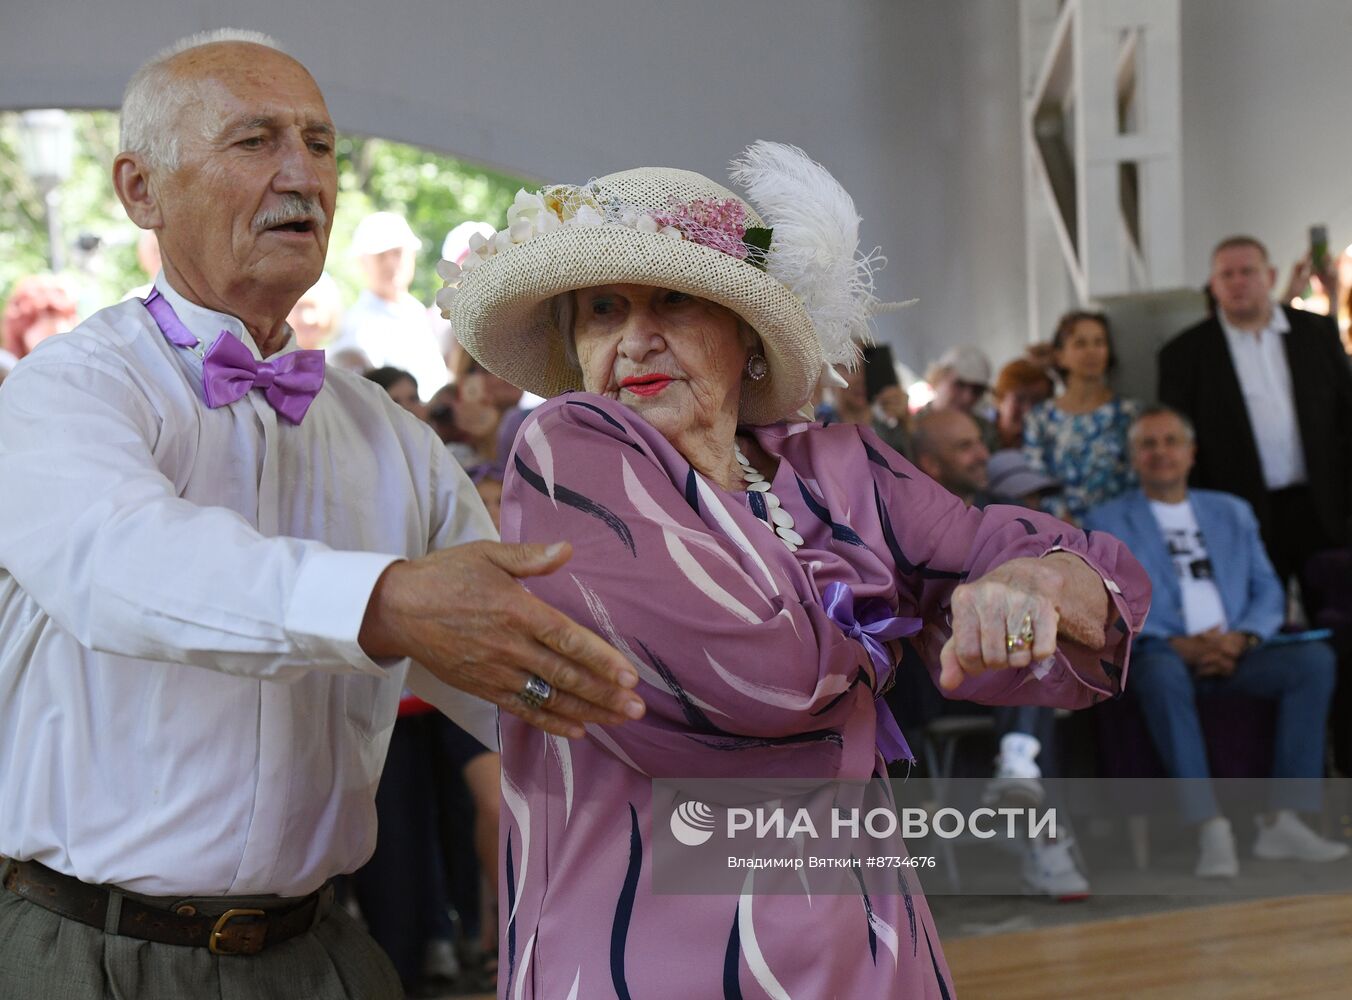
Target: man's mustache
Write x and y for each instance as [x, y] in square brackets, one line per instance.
[292, 208]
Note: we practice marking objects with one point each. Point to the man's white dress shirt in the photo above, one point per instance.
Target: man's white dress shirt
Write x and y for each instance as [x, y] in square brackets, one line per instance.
[184, 708]
[1265, 379]
[398, 334]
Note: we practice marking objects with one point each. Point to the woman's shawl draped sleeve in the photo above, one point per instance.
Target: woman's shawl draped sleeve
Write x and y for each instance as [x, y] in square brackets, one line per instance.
[742, 669]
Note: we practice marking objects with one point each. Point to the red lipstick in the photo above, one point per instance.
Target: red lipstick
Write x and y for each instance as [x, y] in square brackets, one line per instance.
[646, 385]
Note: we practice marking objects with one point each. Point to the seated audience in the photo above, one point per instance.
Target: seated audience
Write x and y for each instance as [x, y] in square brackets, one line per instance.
[872, 396]
[1216, 605]
[890, 406]
[960, 380]
[949, 449]
[1080, 437]
[39, 306]
[1011, 480]
[1020, 386]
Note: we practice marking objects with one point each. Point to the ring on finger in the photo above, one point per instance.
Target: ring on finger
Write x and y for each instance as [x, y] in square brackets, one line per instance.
[536, 691]
[1016, 642]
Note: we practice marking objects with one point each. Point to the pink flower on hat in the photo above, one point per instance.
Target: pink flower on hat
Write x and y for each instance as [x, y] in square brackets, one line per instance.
[717, 224]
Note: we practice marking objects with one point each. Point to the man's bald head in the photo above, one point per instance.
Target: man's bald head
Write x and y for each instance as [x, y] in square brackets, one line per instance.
[948, 448]
[158, 91]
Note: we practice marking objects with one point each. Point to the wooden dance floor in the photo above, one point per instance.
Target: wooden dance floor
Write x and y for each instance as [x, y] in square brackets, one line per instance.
[1289, 948]
[1241, 951]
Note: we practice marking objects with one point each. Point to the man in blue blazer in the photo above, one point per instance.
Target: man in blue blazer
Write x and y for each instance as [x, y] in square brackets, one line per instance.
[1217, 602]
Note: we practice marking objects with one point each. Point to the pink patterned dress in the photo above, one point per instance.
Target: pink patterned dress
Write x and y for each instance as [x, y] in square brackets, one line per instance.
[745, 674]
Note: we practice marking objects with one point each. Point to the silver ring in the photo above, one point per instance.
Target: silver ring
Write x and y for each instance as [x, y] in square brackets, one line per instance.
[536, 692]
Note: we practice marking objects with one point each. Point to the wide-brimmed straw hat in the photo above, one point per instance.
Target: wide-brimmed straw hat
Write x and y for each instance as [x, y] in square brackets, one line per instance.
[791, 270]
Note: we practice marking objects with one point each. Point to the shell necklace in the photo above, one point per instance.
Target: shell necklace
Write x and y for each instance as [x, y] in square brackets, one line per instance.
[765, 505]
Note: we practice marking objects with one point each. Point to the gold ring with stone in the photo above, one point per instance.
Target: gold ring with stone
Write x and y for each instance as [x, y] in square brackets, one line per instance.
[1018, 641]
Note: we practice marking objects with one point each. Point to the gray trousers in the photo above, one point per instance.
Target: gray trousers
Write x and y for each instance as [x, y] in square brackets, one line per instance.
[44, 956]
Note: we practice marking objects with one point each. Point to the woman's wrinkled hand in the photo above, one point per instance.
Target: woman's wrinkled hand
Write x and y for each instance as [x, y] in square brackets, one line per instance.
[1014, 615]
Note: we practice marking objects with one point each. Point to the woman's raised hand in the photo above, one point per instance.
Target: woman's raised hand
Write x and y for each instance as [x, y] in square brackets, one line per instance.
[1014, 615]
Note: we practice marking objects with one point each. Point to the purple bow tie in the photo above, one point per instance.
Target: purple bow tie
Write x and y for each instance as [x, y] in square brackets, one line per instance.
[229, 370]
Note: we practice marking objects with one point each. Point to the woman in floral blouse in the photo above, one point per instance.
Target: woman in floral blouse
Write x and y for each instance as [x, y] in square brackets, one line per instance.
[1080, 437]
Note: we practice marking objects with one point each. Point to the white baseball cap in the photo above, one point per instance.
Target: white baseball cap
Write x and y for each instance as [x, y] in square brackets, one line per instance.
[381, 231]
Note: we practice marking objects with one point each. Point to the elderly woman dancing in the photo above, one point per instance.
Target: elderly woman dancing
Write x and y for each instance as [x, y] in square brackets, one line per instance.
[713, 539]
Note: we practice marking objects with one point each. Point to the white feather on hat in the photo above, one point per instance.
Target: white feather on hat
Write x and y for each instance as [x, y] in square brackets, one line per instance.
[815, 248]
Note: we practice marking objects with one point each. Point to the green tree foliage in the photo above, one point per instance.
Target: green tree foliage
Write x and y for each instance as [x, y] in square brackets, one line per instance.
[88, 208]
[434, 192]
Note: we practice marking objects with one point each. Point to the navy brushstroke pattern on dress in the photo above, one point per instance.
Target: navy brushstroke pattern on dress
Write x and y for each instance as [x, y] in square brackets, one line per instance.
[576, 500]
[692, 712]
[840, 532]
[732, 987]
[511, 908]
[921, 570]
[624, 908]
[610, 420]
[876, 458]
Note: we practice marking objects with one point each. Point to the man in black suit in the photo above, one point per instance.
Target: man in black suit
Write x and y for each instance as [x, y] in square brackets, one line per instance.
[1270, 392]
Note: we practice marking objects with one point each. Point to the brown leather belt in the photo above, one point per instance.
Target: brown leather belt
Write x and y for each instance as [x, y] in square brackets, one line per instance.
[240, 931]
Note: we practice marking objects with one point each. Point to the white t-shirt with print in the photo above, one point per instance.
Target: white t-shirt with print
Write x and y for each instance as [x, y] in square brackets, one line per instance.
[1202, 607]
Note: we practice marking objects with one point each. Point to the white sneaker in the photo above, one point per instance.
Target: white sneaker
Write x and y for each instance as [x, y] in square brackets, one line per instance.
[1049, 868]
[439, 961]
[1218, 858]
[1018, 780]
[1288, 839]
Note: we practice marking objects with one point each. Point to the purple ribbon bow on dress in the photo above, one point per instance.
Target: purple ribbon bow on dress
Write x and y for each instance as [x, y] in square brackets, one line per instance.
[873, 625]
[229, 369]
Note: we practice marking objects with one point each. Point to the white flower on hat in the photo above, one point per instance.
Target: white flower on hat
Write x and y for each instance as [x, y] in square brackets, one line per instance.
[526, 204]
[586, 215]
[451, 273]
[446, 298]
[530, 216]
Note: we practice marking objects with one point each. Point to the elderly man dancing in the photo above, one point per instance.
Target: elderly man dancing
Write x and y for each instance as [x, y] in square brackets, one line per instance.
[217, 561]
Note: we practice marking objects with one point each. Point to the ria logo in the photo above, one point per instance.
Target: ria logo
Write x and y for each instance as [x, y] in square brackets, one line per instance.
[692, 823]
